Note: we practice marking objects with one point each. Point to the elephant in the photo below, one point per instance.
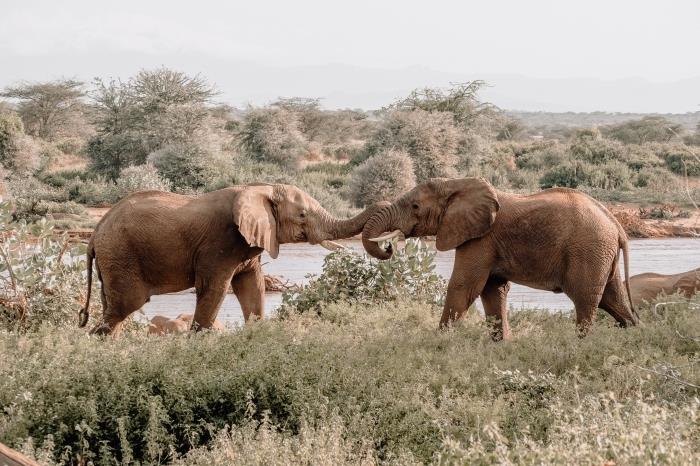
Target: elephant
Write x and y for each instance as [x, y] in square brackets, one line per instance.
[161, 325]
[154, 242]
[645, 287]
[558, 239]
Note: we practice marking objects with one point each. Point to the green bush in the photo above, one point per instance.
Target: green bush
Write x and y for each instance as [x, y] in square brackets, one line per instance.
[40, 275]
[59, 179]
[680, 159]
[569, 175]
[273, 135]
[11, 130]
[612, 175]
[109, 154]
[190, 166]
[541, 157]
[378, 382]
[382, 177]
[351, 277]
[430, 139]
[598, 151]
[647, 129]
[97, 192]
[140, 178]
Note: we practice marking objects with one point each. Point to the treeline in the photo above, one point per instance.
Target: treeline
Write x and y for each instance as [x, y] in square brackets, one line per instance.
[66, 144]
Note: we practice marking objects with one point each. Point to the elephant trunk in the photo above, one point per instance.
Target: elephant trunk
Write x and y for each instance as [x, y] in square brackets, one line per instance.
[380, 222]
[334, 228]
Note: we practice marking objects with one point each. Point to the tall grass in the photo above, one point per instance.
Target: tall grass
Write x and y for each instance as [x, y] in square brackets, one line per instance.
[362, 384]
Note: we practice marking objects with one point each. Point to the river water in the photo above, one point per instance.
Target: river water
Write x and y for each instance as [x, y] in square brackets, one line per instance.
[295, 261]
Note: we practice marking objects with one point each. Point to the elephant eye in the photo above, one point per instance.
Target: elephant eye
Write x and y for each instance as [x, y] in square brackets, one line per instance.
[415, 206]
[302, 215]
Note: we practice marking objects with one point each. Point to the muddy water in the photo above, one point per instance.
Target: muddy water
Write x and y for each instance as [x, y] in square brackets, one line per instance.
[296, 260]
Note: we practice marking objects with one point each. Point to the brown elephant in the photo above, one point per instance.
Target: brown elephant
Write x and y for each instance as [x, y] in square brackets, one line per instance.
[645, 287]
[157, 242]
[558, 239]
[161, 325]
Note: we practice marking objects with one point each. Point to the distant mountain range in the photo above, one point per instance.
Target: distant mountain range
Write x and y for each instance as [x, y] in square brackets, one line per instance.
[347, 86]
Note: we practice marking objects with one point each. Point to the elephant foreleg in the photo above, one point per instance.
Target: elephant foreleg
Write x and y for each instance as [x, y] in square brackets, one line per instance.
[210, 295]
[469, 276]
[493, 297]
[249, 287]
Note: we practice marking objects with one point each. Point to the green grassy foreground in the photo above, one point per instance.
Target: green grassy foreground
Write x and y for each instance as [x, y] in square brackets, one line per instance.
[360, 384]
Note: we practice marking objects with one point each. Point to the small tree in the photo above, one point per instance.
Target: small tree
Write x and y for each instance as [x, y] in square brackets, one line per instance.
[383, 177]
[152, 110]
[273, 135]
[190, 166]
[47, 108]
[647, 129]
[429, 138]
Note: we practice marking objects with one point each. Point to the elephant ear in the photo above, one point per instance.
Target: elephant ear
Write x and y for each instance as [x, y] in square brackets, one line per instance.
[470, 212]
[253, 212]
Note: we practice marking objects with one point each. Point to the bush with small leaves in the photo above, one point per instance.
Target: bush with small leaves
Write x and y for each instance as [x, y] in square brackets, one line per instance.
[140, 178]
[679, 159]
[40, 275]
[11, 130]
[94, 192]
[190, 166]
[569, 175]
[382, 177]
[273, 135]
[351, 277]
[431, 139]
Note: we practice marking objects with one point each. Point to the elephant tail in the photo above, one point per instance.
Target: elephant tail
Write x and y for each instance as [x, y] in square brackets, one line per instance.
[625, 250]
[85, 311]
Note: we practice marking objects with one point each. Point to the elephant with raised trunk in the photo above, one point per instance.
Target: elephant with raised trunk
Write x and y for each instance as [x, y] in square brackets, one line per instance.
[155, 242]
[558, 239]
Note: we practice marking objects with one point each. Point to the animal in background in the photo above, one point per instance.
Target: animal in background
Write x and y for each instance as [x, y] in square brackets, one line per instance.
[646, 287]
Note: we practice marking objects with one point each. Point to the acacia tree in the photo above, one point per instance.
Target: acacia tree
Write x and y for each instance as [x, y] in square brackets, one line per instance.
[47, 108]
[156, 108]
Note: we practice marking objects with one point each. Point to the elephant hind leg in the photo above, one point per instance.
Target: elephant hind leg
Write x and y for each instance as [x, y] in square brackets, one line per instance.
[120, 298]
[616, 303]
[493, 297]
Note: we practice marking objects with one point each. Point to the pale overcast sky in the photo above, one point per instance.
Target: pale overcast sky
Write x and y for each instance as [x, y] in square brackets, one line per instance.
[656, 41]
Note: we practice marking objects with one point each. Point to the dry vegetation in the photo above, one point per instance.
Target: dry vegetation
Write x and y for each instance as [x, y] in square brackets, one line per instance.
[65, 143]
[351, 371]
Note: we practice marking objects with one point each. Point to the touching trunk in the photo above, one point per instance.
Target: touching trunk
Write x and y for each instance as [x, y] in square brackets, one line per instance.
[333, 228]
[379, 223]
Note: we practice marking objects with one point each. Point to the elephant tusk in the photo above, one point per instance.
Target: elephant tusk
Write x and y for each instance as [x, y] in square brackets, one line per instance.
[331, 245]
[386, 237]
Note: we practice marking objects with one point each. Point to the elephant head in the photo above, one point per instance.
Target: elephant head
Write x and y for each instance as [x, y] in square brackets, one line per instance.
[268, 215]
[454, 210]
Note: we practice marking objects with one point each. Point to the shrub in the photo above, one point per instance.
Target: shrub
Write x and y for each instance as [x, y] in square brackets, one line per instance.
[140, 178]
[377, 381]
[11, 130]
[430, 139]
[680, 159]
[569, 175]
[190, 166]
[612, 175]
[97, 192]
[70, 145]
[61, 178]
[598, 151]
[383, 177]
[109, 154]
[647, 129]
[30, 197]
[657, 179]
[273, 135]
[41, 275]
[540, 157]
[351, 277]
